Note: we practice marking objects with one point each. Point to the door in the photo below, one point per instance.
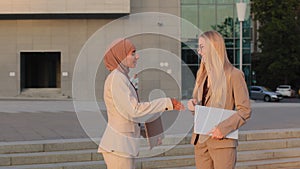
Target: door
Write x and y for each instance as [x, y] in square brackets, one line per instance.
[40, 70]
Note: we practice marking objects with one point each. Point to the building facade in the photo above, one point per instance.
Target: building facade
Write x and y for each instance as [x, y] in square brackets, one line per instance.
[219, 15]
[41, 41]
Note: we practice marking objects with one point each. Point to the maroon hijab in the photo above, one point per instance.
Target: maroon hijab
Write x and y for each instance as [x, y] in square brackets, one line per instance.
[117, 52]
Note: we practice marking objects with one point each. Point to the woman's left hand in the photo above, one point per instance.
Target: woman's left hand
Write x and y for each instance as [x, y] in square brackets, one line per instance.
[191, 104]
[216, 133]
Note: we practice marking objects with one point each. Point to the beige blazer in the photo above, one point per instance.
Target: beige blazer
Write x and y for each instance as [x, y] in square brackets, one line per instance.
[124, 113]
[237, 98]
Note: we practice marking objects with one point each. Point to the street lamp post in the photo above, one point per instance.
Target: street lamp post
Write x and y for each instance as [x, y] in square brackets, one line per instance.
[241, 12]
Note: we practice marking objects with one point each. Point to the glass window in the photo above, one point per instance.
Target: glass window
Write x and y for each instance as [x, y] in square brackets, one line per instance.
[224, 12]
[188, 75]
[190, 13]
[207, 17]
[206, 1]
[224, 1]
[246, 56]
[237, 57]
[247, 1]
[247, 73]
[246, 28]
[225, 20]
[237, 42]
[230, 55]
[190, 56]
[255, 89]
[246, 43]
[229, 42]
[189, 1]
[219, 15]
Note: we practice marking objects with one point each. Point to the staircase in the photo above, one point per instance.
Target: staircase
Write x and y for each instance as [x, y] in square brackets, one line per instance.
[260, 149]
[42, 93]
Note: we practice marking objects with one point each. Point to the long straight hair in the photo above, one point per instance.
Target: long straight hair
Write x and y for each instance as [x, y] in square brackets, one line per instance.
[216, 61]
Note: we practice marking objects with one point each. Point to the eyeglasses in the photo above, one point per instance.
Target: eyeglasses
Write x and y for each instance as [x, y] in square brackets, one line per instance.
[133, 54]
[199, 49]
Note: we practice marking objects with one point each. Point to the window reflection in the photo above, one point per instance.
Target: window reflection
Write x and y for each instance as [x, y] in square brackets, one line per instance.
[219, 15]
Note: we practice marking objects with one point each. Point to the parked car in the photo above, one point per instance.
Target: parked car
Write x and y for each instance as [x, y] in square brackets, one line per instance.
[263, 93]
[286, 90]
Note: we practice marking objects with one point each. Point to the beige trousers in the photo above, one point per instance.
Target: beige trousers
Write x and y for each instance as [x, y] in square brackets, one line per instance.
[118, 161]
[214, 158]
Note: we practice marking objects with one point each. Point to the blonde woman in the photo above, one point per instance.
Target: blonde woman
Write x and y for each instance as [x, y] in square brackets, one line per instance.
[120, 141]
[218, 84]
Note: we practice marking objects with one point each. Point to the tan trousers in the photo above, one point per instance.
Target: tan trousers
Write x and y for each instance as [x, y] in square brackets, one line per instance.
[117, 161]
[214, 158]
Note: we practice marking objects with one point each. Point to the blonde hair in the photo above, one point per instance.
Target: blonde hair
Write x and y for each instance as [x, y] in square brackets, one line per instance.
[216, 61]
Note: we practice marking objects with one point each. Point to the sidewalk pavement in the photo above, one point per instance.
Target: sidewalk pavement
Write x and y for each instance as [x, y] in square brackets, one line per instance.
[28, 120]
[38, 120]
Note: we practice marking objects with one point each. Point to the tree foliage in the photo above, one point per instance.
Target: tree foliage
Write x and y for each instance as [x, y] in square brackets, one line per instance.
[279, 39]
[226, 28]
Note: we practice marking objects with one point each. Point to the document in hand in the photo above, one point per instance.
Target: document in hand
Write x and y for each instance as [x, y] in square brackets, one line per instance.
[153, 131]
[206, 118]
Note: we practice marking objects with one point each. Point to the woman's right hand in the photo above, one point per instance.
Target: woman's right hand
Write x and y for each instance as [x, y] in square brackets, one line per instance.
[177, 105]
[191, 104]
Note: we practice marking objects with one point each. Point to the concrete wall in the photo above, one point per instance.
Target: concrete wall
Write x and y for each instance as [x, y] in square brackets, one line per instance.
[65, 36]
[64, 6]
[68, 37]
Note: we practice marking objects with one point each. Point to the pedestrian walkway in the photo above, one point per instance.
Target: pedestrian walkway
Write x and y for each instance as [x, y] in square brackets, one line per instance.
[28, 120]
[36, 106]
[38, 120]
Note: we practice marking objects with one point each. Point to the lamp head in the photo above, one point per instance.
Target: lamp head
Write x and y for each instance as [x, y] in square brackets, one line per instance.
[241, 10]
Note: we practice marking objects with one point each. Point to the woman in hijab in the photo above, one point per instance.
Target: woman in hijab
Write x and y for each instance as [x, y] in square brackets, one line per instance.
[120, 141]
[218, 84]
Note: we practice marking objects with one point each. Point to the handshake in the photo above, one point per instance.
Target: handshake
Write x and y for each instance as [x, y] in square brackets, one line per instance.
[177, 105]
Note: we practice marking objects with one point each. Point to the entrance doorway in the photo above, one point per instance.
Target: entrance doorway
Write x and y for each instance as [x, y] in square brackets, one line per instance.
[40, 70]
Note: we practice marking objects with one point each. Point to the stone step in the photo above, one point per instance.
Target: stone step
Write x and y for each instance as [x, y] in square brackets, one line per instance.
[85, 155]
[268, 144]
[92, 155]
[185, 167]
[170, 162]
[69, 165]
[273, 134]
[268, 154]
[149, 163]
[286, 163]
[49, 157]
[42, 93]
[254, 147]
[70, 144]
[46, 146]
[83, 144]
[249, 140]
[270, 164]
[167, 162]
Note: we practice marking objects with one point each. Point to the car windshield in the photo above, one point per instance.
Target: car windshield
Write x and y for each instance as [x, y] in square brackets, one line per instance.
[284, 87]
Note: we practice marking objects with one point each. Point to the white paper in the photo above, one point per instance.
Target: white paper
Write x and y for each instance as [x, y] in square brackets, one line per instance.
[206, 118]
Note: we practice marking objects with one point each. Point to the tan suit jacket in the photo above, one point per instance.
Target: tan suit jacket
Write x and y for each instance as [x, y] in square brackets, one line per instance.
[124, 112]
[237, 98]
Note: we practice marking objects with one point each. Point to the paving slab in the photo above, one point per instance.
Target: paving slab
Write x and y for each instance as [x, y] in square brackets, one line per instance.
[28, 120]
